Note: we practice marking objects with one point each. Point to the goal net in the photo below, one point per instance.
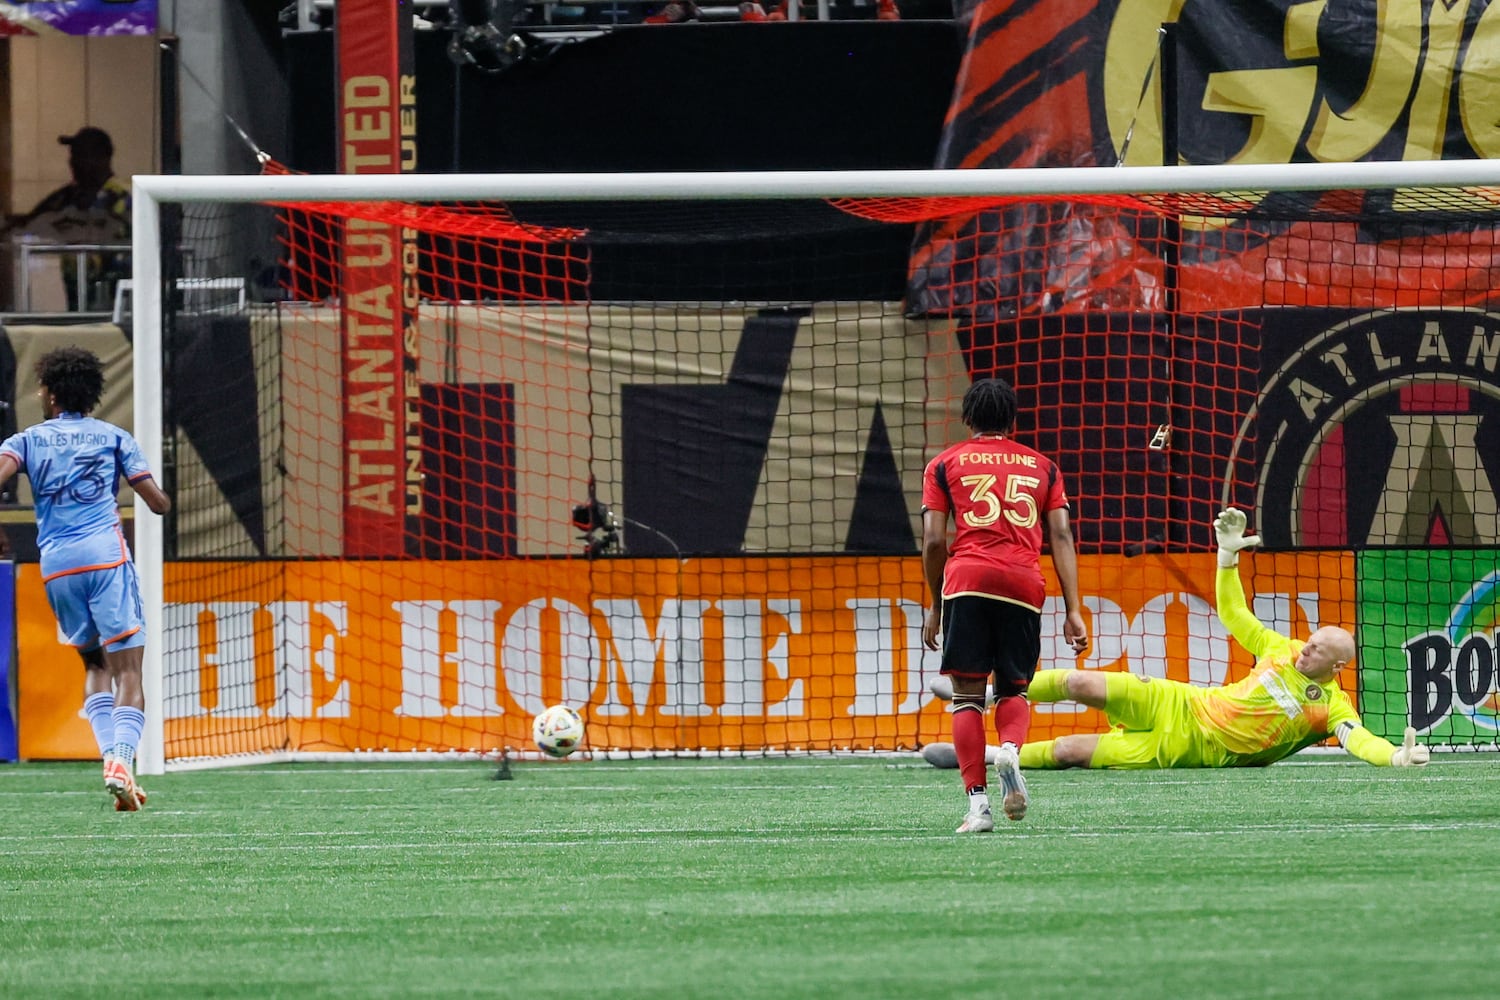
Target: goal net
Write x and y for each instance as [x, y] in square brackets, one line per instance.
[652, 445]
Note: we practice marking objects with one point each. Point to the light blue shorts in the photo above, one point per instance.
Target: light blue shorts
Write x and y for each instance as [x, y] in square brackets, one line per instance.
[99, 607]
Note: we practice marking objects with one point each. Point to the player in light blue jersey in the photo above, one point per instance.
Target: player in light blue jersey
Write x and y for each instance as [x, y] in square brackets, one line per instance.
[75, 464]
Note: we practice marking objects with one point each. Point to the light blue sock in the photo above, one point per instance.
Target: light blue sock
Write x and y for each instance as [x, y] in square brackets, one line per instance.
[100, 708]
[128, 725]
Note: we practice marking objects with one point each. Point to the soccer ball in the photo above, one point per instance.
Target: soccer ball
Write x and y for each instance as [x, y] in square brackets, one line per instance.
[558, 731]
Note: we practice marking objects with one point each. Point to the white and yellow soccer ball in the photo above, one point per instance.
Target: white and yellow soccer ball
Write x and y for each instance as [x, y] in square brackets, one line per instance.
[558, 731]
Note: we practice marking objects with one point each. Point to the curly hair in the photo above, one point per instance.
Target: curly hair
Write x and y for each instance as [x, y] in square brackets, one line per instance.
[990, 406]
[74, 377]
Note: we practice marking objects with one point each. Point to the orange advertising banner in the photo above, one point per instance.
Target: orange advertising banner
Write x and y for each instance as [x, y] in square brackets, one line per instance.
[49, 680]
[735, 654]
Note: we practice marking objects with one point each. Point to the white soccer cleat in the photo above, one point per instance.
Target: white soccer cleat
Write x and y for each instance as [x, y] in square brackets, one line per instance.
[979, 820]
[1014, 799]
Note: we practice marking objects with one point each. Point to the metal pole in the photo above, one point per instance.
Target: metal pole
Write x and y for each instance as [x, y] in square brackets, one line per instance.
[146, 370]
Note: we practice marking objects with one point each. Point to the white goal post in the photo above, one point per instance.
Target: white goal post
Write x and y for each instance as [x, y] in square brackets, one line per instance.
[151, 192]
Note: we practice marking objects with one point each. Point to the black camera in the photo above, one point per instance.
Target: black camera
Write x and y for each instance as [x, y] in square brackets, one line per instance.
[601, 535]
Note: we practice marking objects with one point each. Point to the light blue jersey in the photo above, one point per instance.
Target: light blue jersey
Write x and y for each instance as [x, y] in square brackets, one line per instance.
[75, 464]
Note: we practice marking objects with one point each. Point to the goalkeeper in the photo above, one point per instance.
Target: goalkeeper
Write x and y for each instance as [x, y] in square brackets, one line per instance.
[1290, 700]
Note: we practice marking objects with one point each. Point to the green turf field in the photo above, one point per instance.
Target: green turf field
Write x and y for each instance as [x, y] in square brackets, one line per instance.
[774, 879]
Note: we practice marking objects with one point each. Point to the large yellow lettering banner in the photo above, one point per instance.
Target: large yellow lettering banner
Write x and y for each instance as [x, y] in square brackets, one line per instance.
[737, 654]
[1258, 82]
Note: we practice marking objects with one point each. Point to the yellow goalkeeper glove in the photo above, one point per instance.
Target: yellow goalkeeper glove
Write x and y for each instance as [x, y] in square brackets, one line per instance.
[1410, 753]
[1229, 530]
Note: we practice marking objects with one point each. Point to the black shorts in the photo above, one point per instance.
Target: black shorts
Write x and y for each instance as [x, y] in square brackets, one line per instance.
[984, 637]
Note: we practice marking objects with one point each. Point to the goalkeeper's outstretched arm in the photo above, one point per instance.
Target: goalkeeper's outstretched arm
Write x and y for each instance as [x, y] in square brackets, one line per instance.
[1229, 592]
[1382, 753]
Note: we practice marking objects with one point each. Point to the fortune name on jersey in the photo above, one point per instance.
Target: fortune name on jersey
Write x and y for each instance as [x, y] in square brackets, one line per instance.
[996, 458]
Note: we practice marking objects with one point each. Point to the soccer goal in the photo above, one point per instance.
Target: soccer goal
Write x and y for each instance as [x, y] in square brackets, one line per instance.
[651, 445]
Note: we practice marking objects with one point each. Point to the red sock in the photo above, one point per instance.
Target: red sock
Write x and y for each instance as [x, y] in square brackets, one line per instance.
[968, 745]
[1012, 719]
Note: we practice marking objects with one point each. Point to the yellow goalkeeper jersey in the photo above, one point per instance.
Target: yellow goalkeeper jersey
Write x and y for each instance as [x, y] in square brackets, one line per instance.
[1276, 710]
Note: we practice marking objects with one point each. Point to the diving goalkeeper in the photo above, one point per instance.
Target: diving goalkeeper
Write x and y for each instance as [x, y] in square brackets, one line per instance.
[1290, 700]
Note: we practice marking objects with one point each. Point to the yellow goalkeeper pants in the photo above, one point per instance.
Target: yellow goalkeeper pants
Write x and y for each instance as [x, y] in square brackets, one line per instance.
[1154, 726]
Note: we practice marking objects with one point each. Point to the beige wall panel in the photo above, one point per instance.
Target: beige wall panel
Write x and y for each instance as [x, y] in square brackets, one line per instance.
[266, 347]
[947, 381]
[569, 365]
[25, 153]
[104, 339]
[849, 357]
[543, 351]
[643, 344]
[57, 84]
[60, 83]
[653, 346]
[207, 526]
[48, 99]
[311, 498]
[122, 97]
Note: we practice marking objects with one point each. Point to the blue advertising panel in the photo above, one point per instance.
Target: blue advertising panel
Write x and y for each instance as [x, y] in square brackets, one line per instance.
[7, 659]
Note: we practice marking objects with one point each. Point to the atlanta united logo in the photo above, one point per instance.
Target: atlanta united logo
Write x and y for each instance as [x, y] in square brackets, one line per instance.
[1381, 431]
[1313, 692]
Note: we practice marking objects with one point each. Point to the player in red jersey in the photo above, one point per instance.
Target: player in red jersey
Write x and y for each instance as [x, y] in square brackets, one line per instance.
[987, 591]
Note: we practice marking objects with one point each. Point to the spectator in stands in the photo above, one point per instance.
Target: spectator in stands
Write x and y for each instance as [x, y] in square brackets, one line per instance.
[885, 10]
[94, 208]
[675, 12]
[678, 11]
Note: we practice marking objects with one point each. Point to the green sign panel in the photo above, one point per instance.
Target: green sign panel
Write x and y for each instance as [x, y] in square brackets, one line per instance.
[1427, 643]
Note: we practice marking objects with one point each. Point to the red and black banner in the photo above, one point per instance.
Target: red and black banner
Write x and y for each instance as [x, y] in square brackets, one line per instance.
[381, 398]
[1079, 83]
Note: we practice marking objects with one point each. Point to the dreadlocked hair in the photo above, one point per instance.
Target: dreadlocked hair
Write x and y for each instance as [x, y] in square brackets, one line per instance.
[990, 406]
[74, 377]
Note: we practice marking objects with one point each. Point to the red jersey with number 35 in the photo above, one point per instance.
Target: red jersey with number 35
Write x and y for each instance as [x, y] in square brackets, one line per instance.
[998, 493]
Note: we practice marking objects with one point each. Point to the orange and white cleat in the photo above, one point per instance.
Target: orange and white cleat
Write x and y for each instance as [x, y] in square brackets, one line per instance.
[119, 783]
[140, 800]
